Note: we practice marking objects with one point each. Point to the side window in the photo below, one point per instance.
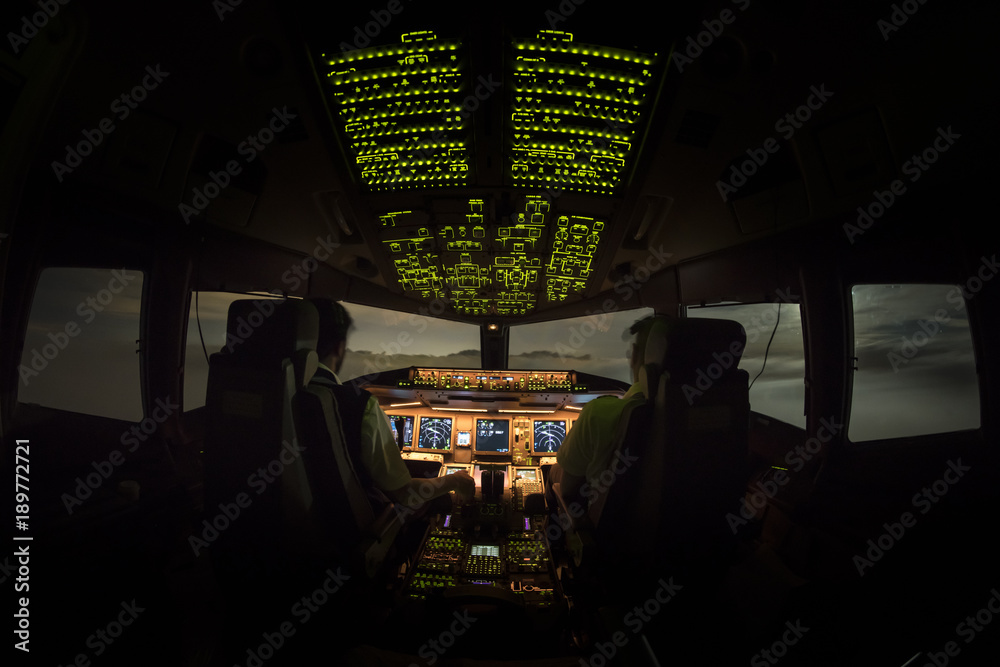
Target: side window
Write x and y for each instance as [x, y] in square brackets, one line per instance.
[210, 311]
[916, 370]
[777, 385]
[80, 347]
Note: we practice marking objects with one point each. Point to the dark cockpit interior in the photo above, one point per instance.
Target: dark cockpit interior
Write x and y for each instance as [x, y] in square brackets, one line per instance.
[805, 468]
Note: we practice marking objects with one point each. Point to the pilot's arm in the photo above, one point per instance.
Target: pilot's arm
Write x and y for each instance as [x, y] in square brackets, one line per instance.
[579, 451]
[389, 472]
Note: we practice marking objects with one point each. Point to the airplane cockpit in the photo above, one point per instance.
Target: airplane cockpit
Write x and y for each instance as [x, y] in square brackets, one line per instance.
[787, 200]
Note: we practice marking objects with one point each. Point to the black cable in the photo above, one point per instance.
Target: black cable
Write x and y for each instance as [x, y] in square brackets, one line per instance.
[768, 348]
[197, 317]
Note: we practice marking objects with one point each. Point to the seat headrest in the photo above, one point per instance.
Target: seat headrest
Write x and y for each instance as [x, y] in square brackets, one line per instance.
[270, 329]
[699, 343]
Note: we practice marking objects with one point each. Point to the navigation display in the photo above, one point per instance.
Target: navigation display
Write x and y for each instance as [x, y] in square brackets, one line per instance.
[402, 429]
[492, 436]
[549, 435]
[435, 433]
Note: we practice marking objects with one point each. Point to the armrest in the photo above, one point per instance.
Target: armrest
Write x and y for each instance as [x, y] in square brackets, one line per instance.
[578, 535]
[378, 539]
[386, 524]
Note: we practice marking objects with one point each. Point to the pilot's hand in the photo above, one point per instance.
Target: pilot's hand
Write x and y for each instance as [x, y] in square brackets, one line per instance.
[465, 485]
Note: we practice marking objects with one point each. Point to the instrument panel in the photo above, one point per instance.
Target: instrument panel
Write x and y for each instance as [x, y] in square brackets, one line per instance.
[514, 437]
[501, 427]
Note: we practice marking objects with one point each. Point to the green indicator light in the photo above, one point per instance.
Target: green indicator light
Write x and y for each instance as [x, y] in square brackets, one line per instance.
[397, 106]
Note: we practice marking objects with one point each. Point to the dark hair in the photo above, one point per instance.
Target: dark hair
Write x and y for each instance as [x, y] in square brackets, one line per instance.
[641, 329]
[334, 323]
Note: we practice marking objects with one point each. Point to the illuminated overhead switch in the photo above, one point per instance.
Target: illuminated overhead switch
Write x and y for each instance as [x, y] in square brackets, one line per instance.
[397, 106]
[576, 111]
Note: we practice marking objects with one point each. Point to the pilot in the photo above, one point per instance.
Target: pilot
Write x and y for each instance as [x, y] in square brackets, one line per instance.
[588, 447]
[381, 466]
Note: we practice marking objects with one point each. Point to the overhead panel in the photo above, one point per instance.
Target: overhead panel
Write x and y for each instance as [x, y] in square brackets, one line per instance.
[575, 114]
[399, 108]
[458, 252]
[573, 117]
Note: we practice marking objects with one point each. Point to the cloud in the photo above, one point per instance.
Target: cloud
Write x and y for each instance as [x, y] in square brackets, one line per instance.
[549, 354]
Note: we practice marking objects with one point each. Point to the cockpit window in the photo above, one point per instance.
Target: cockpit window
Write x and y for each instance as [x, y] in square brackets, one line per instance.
[778, 384]
[379, 340]
[591, 344]
[80, 347]
[382, 340]
[916, 369]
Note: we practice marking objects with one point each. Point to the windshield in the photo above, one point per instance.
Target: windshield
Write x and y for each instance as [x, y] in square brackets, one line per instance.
[381, 340]
[591, 344]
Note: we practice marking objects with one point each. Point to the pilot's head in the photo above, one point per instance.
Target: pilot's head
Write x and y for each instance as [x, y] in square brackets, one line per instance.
[334, 323]
[643, 332]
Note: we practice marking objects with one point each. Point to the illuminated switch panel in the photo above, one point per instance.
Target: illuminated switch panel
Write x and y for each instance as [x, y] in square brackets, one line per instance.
[485, 560]
[573, 251]
[400, 109]
[575, 112]
[482, 265]
[487, 380]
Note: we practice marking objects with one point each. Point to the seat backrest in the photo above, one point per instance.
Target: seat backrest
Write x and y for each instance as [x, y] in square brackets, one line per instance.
[681, 462]
[257, 496]
[355, 531]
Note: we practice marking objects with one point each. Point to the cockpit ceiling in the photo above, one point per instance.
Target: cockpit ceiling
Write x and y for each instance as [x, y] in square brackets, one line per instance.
[564, 117]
